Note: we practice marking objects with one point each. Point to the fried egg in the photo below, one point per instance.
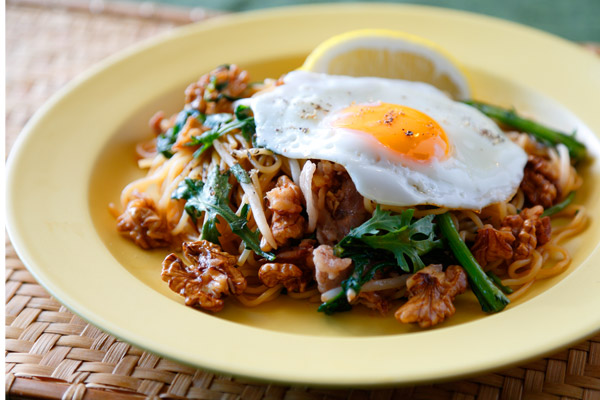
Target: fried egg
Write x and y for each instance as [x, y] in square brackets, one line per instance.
[403, 143]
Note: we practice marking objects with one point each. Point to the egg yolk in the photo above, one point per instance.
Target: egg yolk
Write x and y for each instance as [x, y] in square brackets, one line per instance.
[403, 129]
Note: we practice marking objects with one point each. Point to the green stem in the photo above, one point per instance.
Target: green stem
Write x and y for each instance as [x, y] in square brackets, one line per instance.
[490, 297]
[496, 279]
[577, 150]
[560, 206]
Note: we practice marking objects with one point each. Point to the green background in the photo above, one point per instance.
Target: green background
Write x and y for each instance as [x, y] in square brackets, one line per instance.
[577, 20]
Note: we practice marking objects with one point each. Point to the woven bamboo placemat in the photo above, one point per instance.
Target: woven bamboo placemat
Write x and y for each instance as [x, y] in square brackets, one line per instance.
[53, 354]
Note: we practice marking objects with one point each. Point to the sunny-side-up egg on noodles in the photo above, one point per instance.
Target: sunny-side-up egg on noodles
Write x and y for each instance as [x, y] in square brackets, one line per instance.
[403, 143]
[347, 191]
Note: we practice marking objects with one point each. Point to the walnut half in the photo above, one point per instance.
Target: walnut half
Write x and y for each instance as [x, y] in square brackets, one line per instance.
[493, 244]
[210, 276]
[292, 277]
[530, 229]
[516, 239]
[540, 182]
[430, 295]
[142, 223]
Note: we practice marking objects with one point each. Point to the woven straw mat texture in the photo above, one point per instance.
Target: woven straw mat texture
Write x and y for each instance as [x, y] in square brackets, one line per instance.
[53, 354]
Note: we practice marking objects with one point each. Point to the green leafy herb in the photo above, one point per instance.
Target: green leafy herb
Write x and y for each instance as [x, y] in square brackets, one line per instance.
[215, 87]
[547, 135]
[166, 140]
[187, 189]
[364, 270]
[385, 240]
[244, 113]
[395, 233]
[212, 197]
[216, 120]
[240, 173]
[220, 124]
[337, 304]
[490, 297]
[560, 206]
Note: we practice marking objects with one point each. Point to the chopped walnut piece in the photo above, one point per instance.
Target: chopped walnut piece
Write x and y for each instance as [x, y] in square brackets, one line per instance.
[215, 92]
[430, 295]
[539, 182]
[330, 270]
[340, 206]
[285, 200]
[210, 276]
[141, 223]
[292, 277]
[529, 230]
[492, 245]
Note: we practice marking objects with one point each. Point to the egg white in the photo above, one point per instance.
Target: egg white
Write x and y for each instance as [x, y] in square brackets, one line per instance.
[483, 166]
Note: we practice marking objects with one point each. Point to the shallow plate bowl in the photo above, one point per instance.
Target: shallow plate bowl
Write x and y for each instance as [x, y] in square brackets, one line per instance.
[76, 154]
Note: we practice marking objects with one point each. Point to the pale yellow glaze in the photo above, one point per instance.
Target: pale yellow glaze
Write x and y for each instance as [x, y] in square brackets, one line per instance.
[76, 154]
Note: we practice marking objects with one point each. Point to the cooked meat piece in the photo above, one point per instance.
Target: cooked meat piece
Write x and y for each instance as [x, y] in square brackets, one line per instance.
[141, 223]
[215, 92]
[529, 230]
[340, 206]
[492, 245]
[286, 197]
[374, 301]
[210, 276]
[330, 270]
[292, 277]
[285, 200]
[540, 182]
[301, 255]
[430, 295]
[288, 259]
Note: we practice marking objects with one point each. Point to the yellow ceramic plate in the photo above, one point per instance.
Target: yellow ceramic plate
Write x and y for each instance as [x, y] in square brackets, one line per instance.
[77, 153]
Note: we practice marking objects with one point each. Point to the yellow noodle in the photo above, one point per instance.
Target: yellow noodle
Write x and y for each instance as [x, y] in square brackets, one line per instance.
[516, 203]
[521, 291]
[144, 163]
[305, 295]
[267, 295]
[257, 290]
[473, 217]
[522, 278]
[577, 224]
[560, 266]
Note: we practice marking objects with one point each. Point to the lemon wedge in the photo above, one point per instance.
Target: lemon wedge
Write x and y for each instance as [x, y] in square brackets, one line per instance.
[389, 54]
